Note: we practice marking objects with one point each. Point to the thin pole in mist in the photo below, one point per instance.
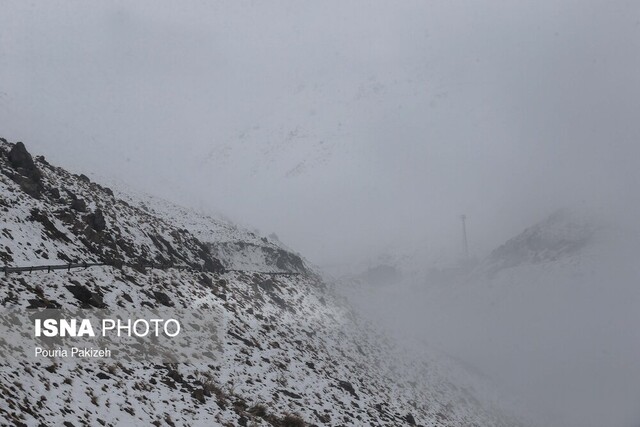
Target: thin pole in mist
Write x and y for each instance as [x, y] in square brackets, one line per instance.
[463, 217]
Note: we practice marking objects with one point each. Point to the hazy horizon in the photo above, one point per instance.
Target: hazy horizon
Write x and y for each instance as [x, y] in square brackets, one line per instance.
[342, 128]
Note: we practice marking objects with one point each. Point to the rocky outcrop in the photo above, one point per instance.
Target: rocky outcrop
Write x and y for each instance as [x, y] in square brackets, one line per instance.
[25, 172]
[96, 220]
[20, 159]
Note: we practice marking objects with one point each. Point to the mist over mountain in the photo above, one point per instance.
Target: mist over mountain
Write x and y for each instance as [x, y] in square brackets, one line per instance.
[304, 167]
[548, 315]
[342, 127]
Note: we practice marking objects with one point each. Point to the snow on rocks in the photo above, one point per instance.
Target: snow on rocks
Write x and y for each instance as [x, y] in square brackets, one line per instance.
[293, 353]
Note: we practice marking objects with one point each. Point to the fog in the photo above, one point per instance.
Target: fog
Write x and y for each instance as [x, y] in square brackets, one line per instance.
[351, 129]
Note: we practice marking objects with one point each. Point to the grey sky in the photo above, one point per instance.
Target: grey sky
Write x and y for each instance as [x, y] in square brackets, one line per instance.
[342, 126]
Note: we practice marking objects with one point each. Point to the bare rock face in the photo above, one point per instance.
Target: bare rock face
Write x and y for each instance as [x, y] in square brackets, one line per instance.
[212, 264]
[28, 176]
[96, 220]
[20, 158]
[86, 297]
[79, 205]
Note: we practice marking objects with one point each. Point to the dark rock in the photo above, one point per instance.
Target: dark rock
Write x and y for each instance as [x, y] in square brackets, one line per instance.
[147, 304]
[163, 298]
[198, 394]
[162, 244]
[346, 386]
[409, 419]
[96, 220]
[42, 160]
[290, 394]
[113, 260]
[86, 297]
[242, 421]
[269, 286]
[79, 205]
[247, 342]
[54, 193]
[324, 418]
[206, 281]
[103, 376]
[31, 186]
[36, 303]
[212, 265]
[258, 411]
[28, 176]
[20, 158]
[175, 376]
[289, 262]
[42, 303]
[284, 260]
[291, 420]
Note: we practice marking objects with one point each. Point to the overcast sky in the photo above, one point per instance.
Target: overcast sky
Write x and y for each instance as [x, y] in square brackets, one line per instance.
[343, 126]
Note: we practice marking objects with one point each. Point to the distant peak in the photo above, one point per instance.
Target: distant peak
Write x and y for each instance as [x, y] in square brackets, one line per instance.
[563, 233]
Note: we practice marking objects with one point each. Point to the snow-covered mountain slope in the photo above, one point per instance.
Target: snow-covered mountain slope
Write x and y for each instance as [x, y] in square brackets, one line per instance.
[551, 315]
[290, 346]
[560, 235]
[236, 247]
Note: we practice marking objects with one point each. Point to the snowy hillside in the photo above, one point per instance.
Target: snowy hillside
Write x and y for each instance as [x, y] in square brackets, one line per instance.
[237, 248]
[294, 354]
[560, 235]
